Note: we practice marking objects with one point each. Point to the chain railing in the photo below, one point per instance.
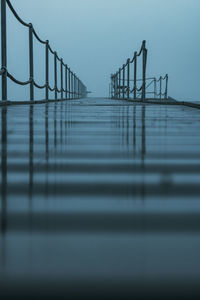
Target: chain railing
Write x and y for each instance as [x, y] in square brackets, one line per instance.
[124, 87]
[71, 87]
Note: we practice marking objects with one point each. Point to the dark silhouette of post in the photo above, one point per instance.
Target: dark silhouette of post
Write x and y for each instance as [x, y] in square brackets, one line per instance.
[166, 87]
[61, 77]
[4, 50]
[31, 67]
[155, 88]
[144, 62]
[135, 75]
[160, 87]
[128, 78]
[66, 87]
[78, 88]
[47, 69]
[55, 75]
[69, 75]
[123, 92]
[119, 83]
[72, 85]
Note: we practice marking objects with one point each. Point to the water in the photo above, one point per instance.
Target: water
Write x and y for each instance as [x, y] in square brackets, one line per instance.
[100, 198]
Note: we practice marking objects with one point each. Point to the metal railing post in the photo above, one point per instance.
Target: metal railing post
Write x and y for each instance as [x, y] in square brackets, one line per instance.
[4, 49]
[160, 88]
[31, 67]
[155, 88]
[123, 82]
[55, 75]
[78, 88]
[119, 83]
[66, 81]
[144, 61]
[128, 78]
[61, 77]
[115, 85]
[166, 88]
[69, 77]
[135, 75]
[72, 84]
[47, 70]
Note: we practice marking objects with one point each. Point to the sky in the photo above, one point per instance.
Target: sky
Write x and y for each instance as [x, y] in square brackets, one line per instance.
[95, 37]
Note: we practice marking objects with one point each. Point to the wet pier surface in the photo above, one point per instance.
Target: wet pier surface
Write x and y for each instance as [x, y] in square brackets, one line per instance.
[100, 198]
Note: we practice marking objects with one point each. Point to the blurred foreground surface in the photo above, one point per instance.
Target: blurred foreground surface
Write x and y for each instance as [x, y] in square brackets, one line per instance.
[100, 199]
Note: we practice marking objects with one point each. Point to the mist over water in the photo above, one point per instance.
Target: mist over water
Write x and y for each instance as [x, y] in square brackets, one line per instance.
[95, 37]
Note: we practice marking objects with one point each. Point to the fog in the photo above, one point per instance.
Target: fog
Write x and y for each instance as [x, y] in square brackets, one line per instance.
[95, 37]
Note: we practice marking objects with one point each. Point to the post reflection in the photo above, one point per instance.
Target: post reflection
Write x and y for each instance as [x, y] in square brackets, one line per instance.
[143, 152]
[55, 124]
[47, 132]
[3, 182]
[143, 118]
[77, 176]
[31, 154]
[4, 168]
[46, 148]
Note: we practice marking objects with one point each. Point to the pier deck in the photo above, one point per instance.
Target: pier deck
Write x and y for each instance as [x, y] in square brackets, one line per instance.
[100, 197]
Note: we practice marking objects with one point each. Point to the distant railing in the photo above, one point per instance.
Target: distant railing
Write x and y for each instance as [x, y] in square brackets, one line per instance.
[71, 87]
[124, 87]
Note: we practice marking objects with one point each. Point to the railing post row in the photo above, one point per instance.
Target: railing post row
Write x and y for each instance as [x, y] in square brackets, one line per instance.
[31, 66]
[4, 49]
[47, 69]
[55, 75]
[135, 75]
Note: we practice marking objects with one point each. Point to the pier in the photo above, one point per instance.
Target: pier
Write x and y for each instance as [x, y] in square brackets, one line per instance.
[99, 197]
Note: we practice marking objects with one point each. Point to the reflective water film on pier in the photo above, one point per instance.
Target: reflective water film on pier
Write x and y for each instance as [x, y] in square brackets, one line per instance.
[100, 198]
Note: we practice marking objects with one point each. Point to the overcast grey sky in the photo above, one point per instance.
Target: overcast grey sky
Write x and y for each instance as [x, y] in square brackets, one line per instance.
[95, 37]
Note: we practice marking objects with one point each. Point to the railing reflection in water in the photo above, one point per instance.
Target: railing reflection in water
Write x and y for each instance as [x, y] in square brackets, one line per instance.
[71, 187]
